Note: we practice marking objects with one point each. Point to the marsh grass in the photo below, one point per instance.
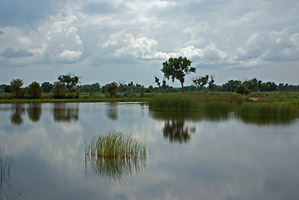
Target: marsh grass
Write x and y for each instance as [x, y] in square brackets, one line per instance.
[114, 155]
[198, 102]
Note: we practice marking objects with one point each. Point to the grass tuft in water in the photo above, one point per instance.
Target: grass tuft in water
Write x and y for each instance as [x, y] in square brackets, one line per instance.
[116, 145]
[114, 155]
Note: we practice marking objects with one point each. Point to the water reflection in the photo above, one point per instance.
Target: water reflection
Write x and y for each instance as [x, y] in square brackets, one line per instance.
[114, 168]
[262, 120]
[17, 111]
[175, 129]
[34, 112]
[6, 187]
[111, 110]
[63, 112]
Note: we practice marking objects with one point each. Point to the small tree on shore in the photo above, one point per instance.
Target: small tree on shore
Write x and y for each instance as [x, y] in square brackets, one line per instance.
[15, 86]
[69, 80]
[34, 90]
[58, 90]
[111, 89]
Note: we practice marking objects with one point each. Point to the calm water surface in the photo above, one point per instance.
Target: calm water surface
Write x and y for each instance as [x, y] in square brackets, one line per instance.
[190, 156]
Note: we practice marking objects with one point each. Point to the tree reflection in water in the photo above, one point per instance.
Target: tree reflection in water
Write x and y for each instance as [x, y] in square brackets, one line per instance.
[17, 111]
[63, 112]
[176, 130]
[112, 111]
[34, 112]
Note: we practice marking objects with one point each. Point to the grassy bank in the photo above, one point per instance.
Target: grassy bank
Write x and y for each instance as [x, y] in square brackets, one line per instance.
[196, 102]
[257, 104]
[84, 97]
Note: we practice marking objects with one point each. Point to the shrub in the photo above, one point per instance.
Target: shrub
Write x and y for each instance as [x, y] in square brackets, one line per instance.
[242, 90]
[34, 90]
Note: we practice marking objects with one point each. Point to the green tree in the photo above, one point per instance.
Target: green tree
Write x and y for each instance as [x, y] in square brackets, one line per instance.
[69, 80]
[16, 88]
[177, 68]
[47, 87]
[242, 89]
[34, 90]
[111, 89]
[230, 86]
[58, 90]
[200, 82]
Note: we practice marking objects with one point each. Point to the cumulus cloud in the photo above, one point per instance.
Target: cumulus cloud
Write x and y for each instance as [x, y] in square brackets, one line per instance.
[69, 55]
[62, 42]
[271, 46]
[11, 53]
[1, 32]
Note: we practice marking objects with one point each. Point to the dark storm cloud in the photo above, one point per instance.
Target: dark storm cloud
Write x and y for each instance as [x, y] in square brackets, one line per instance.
[24, 13]
[11, 53]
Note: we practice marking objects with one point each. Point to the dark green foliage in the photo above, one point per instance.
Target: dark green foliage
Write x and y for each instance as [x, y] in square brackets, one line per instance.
[34, 90]
[242, 90]
[69, 80]
[230, 86]
[92, 88]
[177, 68]
[200, 82]
[47, 87]
[59, 90]
[4, 88]
[16, 88]
[111, 89]
[197, 102]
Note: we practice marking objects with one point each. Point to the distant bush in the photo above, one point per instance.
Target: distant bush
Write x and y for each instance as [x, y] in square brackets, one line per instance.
[242, 90]
[34, 90]
[58, 90]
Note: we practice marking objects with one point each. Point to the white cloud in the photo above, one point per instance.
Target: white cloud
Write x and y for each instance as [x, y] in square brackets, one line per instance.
[70, 55]
[271, 46]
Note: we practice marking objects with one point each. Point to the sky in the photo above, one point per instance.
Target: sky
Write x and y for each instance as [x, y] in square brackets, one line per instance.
[123, 41]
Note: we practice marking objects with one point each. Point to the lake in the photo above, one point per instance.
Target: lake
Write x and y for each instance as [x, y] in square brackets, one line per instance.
[189, 156]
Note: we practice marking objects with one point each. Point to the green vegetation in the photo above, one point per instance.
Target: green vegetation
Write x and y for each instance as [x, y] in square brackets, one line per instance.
[196, 102]
[116, 145]
[177, 68]
[258, 104]
[114, 155]
[15, 86]
[58, 90]
[111, 89]
[34, 90]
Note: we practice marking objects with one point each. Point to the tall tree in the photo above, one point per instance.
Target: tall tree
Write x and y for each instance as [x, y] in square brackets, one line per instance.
[15, 86]
[111, 89]
[177, 68]
[34, 90]
[58, 90]
[69, 80]
[47, 87]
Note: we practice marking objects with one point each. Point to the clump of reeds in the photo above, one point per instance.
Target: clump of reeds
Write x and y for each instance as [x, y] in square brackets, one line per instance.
[114, 155]
[116, 145]
[199, 102]
[267, 109]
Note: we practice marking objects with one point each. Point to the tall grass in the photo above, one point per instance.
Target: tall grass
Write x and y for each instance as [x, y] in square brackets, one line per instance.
[201, 101]
[114, 155]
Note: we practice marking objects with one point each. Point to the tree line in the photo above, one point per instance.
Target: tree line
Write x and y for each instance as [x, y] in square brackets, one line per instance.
[174, 69]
